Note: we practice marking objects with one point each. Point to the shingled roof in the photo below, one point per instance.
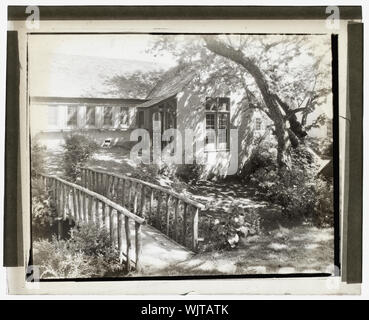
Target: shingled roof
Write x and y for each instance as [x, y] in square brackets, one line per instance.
[172, 82]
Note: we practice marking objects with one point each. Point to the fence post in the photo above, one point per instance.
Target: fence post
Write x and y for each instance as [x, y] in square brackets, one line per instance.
[68, 210]
[167, 214]
[75, 214]
[158, 218]
[128, 241]
[135, 201]
[120, 236]
[54, 192]
[151, 203]
[123, 191]
[184, 223]
[143, 200]
[195, 229]
[63, 211]
[83, 178]
[71, 204]
[96, 212]
[112, 188]
[107, 185]
[176, 208]
[103, 218]
[89, 213]
[138, 246]
[129, 195]
[79, 208]
[60, 208]
[84, 208]
[88, 179]
[111, 226]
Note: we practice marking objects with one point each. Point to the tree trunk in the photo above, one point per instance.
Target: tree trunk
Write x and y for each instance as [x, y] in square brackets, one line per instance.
[285, 136]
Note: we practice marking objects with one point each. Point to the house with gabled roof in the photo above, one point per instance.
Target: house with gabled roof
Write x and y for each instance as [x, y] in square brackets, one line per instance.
[182, 102]
[225, 127]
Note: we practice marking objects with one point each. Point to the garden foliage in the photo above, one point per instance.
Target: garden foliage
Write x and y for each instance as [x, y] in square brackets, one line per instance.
[78, 148]
[226, 231]
[299, 191]
[38, 154]
[87, 253]
[43, 211]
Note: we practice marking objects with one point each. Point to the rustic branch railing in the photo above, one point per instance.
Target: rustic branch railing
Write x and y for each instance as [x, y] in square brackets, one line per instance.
[83, 205]
[173, 214]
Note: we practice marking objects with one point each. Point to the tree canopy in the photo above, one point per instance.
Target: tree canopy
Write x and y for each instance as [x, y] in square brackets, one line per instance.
[134, 85]
[285, 76]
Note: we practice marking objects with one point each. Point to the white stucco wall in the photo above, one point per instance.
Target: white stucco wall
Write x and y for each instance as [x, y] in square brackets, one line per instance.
[191, 115]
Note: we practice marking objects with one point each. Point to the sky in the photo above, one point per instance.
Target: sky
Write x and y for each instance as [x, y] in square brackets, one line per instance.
[79, 65]
[116, 46]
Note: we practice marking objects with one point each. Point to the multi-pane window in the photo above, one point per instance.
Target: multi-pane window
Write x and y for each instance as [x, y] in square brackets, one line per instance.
[217, 122]
[72, 116]
[52, 116]
[91, 116]
[210, 128]
[108, 116]
[123, 116]
[223, 121]
[257, 124]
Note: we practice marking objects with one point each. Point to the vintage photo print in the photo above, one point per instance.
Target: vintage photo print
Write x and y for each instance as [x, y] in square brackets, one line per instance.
[181, 155]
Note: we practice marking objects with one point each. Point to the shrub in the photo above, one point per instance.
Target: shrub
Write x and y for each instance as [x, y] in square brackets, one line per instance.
[38, 154]
[56, 260]
[324, 213]
[78, 149]
[150, 171]
[322, 146]
[190, 172]
[43, 211]
[299, 192]
[226, 231]
[93, 240]
[88, 253]
[328, 150]
[262, 156]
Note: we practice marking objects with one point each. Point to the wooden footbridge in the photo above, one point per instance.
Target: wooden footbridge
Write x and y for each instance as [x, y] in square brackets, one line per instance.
[150, 225]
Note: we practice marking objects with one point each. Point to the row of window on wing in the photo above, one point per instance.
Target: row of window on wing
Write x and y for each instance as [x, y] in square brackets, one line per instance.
[90, 116]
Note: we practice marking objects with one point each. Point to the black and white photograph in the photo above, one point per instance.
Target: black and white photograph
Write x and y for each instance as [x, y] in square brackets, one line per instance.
[181, 155]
